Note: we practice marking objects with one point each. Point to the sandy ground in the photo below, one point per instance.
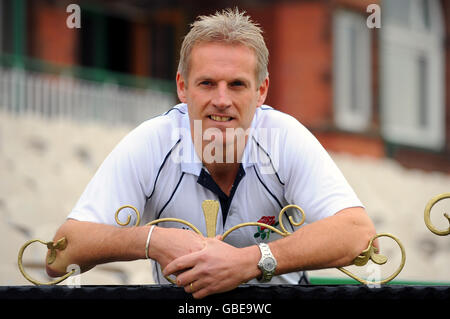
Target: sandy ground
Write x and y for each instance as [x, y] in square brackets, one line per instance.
[45, 165]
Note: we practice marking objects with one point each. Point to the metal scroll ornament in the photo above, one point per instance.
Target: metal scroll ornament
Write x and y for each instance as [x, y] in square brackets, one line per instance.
[59, 245]
[427, 213]
[210, 211]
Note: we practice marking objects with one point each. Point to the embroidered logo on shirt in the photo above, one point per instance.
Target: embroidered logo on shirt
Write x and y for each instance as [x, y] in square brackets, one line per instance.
[264, 232]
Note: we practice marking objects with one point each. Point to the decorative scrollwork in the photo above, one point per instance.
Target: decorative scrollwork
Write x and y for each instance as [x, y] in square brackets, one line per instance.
[138, 216]
[427, 213]
[283, 233]
[370, 253]
[59, 245]
[210, 209]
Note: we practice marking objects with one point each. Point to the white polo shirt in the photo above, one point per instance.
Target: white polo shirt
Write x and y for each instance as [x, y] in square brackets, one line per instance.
[155, 169]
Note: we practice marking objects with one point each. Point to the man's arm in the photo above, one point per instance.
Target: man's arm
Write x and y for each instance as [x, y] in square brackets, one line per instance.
[334, 241]
[331, 242]
[90, 244]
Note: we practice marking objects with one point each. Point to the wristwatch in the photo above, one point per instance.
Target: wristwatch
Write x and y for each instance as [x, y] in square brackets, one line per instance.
[267, 263]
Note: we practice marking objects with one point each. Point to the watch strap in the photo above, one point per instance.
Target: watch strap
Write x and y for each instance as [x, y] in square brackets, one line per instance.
[265, 253]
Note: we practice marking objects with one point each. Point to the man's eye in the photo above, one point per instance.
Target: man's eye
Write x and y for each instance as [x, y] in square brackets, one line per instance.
[206, 83]
[237, 83]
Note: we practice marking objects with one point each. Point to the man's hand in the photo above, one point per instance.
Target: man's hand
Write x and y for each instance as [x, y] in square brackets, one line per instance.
[219, 267]
[168, 244]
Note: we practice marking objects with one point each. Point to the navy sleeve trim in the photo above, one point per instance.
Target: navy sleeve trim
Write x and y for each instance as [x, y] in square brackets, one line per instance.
[174, 108]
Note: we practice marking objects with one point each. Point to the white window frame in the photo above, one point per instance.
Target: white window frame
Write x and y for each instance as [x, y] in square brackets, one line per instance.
[413, 106]
[352, 71]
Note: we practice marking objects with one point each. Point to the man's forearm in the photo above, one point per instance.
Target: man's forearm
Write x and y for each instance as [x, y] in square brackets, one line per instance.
[90, 244]
[331, 242]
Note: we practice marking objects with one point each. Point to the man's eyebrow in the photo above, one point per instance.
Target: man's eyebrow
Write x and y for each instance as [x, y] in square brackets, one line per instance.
[203, 78]
[210, 78]
[239, 79]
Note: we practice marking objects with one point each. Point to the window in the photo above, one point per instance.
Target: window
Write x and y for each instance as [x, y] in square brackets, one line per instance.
[352, 71]
[1, 26]
[412, 73]
[104, 41]
[162, 51]
[118, 44]
[6, 30]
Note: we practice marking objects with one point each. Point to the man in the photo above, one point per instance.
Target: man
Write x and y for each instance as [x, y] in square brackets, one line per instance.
[214, 146]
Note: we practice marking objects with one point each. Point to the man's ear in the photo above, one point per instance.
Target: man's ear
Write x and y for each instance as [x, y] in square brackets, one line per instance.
[263, 90]
[181, 88]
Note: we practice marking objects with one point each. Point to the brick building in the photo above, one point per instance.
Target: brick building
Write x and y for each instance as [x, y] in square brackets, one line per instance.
[366, 91]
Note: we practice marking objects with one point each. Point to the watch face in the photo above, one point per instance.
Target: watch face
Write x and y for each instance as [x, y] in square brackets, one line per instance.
[269, 264]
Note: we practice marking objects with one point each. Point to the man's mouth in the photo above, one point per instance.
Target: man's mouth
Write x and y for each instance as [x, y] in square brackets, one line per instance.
[220, 118]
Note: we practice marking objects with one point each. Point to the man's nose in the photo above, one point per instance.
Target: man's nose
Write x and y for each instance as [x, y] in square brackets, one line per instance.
[221, 98]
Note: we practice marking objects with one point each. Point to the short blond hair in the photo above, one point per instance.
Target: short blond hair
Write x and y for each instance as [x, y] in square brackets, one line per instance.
[231, 27]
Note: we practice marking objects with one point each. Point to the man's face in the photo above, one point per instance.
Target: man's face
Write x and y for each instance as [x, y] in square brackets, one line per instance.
[221, 89]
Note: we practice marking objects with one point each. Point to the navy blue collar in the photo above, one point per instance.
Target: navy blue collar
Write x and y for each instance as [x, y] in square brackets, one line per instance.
[207, 181]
